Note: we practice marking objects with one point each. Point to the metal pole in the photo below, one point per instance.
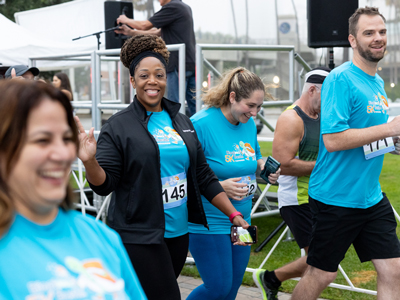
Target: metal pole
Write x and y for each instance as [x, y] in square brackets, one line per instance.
[299, 82]
[277, 23]
[236, 34]
[265, 122]
[291, 73]
[252, 47]
[93, 76]
[97, 99]
[247, 35]
[182, 77]
[272, 234]
[211, 67]
[301, 61]
[297, 26]
[199, 76]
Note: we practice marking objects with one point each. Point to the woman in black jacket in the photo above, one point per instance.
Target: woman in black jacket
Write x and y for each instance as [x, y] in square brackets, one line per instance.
[149, 156]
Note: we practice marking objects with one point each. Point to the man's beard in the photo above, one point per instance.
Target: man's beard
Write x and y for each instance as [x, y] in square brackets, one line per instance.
[368, 55]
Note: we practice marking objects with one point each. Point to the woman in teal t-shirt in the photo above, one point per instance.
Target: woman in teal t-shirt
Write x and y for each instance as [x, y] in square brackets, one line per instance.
[48, 251]
[228, 136]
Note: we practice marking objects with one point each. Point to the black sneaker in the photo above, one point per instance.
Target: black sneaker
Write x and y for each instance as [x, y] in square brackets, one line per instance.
[268, 292]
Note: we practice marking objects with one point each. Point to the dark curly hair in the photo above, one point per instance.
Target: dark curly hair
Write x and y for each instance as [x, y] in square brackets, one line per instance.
[140, 43]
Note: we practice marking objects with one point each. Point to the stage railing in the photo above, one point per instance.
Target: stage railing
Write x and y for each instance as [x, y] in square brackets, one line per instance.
[95, 58]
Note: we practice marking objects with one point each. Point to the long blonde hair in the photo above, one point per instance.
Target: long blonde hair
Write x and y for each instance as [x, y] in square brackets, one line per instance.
[238, 80]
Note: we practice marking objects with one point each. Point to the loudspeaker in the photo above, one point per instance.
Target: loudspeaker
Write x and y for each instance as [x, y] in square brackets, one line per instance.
[328, 22]
[112, 10]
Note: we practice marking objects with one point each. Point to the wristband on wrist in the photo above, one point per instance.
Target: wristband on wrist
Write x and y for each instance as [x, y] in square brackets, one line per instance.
[234, 214]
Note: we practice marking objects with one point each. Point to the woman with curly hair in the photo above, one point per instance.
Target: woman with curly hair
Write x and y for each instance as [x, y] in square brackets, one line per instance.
[149, 156]
[228, 135]
[48, 250]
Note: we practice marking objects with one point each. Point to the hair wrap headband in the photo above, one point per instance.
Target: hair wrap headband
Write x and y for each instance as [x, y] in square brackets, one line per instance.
[142, 55]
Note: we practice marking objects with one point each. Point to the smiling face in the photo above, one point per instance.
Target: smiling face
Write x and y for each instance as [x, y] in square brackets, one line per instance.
[150, 81]
[370, 42]
[38, 181]
[241, 111]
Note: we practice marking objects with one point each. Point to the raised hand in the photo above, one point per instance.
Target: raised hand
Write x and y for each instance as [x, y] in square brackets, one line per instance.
[14, 75]
[87, 143]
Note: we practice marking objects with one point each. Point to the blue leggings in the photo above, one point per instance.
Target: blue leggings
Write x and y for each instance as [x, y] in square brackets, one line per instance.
[221, 266]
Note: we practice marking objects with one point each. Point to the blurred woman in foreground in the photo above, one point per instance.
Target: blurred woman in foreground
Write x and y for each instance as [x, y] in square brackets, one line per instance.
[47, 250]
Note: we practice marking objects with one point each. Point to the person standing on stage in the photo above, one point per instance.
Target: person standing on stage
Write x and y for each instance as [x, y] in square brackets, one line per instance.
[174, 23]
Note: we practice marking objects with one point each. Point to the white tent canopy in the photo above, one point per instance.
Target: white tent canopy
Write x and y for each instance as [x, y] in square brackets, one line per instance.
[63, 22]
[18, 44]
[66, 21]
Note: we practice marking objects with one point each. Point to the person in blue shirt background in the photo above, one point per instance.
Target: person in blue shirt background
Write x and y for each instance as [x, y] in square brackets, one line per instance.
[345, 196]
[228, 136]
[46, 250]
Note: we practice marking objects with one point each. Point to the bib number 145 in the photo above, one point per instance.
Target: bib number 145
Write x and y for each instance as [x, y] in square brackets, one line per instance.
[174, 193]
[174, 190]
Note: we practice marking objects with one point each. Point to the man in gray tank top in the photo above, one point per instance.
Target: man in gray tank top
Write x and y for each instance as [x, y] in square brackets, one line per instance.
[295, 146]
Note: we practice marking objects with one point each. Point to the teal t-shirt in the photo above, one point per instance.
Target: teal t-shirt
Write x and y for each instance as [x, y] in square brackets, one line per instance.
[175, 163]
[350, 98]
[231, 151]
[74, 257]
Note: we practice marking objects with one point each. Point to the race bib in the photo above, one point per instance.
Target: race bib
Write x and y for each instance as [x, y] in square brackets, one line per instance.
[174, 190]
[378, 148]
[251, 182]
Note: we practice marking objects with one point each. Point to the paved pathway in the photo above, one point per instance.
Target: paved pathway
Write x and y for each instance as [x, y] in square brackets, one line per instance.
[187, 284]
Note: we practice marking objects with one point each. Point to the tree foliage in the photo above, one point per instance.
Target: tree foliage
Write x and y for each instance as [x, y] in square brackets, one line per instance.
[13, 6]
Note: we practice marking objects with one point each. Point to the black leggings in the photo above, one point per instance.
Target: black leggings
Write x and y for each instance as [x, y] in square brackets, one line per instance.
[158, 266]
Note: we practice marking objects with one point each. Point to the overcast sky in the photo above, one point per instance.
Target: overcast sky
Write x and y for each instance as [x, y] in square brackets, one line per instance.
[216, 15]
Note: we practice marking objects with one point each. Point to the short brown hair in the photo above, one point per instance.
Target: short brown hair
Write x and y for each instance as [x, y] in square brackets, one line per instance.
[17, 100]
[369, 11]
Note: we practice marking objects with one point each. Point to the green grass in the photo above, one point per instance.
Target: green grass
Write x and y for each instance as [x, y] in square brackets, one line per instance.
[362, 275]
[73, 183]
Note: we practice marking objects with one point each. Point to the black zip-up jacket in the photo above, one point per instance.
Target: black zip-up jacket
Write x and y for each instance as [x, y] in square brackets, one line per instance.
[130, 157]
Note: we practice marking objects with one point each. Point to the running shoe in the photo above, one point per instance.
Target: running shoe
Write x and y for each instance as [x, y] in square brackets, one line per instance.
[268, 292]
